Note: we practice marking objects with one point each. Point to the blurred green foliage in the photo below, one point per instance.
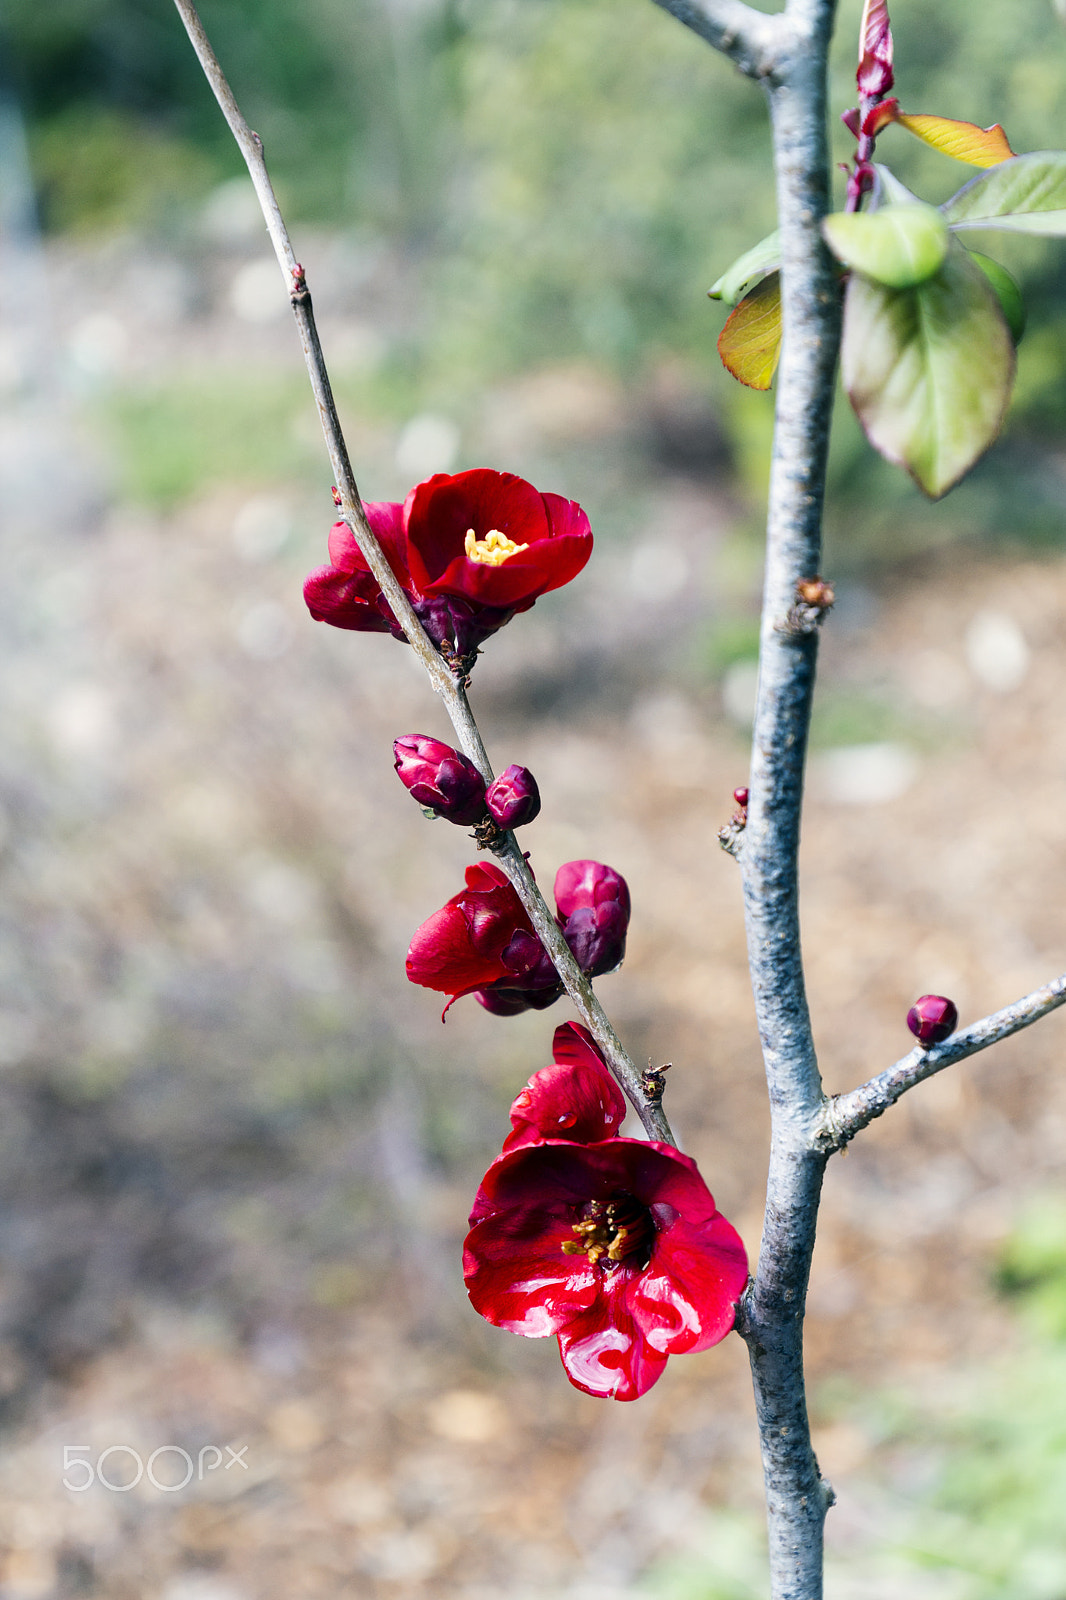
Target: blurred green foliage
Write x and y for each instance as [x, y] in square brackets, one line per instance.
[570, 176]
[177, 439]
[1032, 1267]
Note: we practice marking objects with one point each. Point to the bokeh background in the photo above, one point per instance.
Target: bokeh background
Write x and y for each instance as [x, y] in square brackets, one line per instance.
[237, 1150]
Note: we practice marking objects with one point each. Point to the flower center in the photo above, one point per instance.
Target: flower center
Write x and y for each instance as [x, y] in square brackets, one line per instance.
[618, 1232]
[493, 550]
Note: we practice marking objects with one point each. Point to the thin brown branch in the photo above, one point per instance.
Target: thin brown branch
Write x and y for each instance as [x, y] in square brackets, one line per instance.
[844, 1115]
[444, 682]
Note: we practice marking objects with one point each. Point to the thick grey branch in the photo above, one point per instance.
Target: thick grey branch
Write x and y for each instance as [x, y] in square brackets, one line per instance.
[746, 36]
[845, 1114]
[772, 1314]
[444, 682]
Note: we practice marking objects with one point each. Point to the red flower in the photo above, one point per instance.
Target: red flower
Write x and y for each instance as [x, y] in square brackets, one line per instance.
[576, 1098]
[483, 943]
[470, 550]
[616, 1248]
[480, 936]
[492, 539]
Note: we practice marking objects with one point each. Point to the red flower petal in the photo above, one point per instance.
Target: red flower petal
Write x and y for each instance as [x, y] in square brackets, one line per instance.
[345, 600]
[518, 1276]
[588, 884]
[609, 1360]
[460, 947]
[386, 520]
[575, 1099]
[686, 1298]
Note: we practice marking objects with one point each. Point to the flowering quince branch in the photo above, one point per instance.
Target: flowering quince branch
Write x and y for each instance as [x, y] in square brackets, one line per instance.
[448, 683]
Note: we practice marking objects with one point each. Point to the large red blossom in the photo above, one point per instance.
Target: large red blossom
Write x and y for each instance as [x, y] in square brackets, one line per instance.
[575, 1098]
[616, 1248]
[470, 551]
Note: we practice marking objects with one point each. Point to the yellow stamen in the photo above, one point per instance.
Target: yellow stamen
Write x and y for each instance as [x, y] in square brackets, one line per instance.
[493, 550]
[603, 1233]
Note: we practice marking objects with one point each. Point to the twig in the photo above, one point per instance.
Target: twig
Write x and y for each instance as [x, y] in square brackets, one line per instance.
[844, 1115]
[748, 37]
[444, 682]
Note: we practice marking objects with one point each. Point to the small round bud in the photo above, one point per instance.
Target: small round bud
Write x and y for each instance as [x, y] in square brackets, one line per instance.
[441, 779]
[513, 798]
[932, 1018]
[815, 592]
[741, 797]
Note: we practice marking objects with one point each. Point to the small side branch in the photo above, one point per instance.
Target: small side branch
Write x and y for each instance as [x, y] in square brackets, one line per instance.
[845, 1114]
[445, 683]
[746, 36]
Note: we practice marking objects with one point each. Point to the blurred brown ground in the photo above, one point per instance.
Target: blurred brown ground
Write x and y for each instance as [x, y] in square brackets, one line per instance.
[237, 1149]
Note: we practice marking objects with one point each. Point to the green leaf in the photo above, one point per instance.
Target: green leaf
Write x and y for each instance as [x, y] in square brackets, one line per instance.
[762, 258]
[750, 342]
[890, 191]
[1007, 293]
[1026, 195]
[928, 369]
[899, 245]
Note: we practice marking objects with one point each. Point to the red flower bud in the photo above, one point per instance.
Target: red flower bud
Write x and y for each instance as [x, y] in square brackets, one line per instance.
[741, 797]
[932, 1018]
[440, 778]
[576, 1098]
[513, 798]
[593, 904]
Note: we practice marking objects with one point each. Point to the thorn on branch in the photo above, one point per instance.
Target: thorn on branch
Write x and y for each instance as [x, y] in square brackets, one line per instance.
[813, 603]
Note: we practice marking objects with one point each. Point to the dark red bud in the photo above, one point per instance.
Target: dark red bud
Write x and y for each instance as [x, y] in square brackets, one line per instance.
[740, 796]
[851, 120]
[932, 1018]
[440, 779]
[513, 798]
